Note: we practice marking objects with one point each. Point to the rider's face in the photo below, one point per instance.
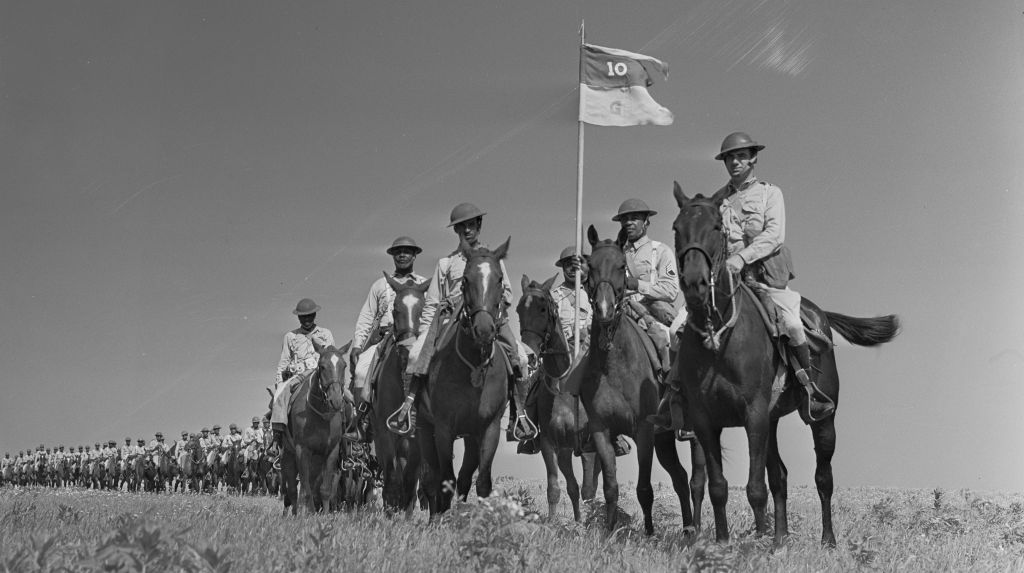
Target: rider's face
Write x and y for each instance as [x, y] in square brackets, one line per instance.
[307, 321]
[739, 164]
[635, 225]
[469, 230]
[404, 258]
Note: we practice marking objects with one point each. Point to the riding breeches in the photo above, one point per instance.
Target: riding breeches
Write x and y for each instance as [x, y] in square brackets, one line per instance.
[283, 393]
[363, 366]
[788, 303]
[424, 348]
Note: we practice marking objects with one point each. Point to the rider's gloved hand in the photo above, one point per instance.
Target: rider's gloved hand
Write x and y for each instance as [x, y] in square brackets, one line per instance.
[734, 264]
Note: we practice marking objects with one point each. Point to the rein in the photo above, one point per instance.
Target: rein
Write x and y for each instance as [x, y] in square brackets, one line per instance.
[713, 337]
[545, 338]
[309, 394]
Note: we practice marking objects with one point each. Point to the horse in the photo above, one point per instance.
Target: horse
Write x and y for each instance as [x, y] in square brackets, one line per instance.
[561, 419]
[192, 465]
[315, 426]
[231, 462]
[399, 456]
[619, 388]
[467, 388]
[727, 362]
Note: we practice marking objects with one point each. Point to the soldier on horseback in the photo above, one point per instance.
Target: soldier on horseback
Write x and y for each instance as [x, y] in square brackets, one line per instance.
[754, 216]
[252, 440]
[374, 323]
[298, 355]
[443, 302]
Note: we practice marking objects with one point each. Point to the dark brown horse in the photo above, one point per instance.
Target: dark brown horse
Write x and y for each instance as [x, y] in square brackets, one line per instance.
[468, 386]
[619, 388]
[315, 425]
[561, 418]
[727, 362]
[399, 456]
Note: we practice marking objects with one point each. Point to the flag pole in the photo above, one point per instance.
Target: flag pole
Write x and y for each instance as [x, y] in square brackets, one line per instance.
[579, 204]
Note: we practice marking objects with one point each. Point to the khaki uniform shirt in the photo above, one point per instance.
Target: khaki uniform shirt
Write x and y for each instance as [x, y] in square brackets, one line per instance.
[655, 267]
[754, 216]
[447, 285]
[298, 353]
[564, 296]
[378, 307]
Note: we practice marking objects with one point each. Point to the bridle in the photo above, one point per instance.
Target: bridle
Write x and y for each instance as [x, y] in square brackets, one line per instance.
[551, 326]
[607, 328]
[712, 337]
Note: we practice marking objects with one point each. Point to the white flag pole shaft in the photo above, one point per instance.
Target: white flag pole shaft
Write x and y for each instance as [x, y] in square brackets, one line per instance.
[579, 207]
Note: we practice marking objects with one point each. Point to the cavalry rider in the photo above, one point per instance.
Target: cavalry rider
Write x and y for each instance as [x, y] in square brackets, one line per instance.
[180, 445]
[375, 318]
[127, 450]
[252, 440]
[652, 282]
[234, 437]
[444, 299]
[298, 355]
[267, 434]
[209, 445]
[754, 217]
[157, 444]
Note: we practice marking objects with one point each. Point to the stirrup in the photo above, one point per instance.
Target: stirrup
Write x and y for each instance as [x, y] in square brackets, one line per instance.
[394, 421]
[524, 428]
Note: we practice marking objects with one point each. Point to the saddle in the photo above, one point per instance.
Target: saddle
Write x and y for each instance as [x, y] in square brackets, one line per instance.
[810, 315]
[652, 351]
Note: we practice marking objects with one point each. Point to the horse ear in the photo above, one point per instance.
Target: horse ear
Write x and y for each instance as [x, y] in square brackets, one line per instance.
[317, 346]
[345, 349]
[423, 286]
[502, 249]
[548, 283]
[395, 285]
[620, 239]
[592, 235]
[681, 198]
[720, 196]
[525, 282]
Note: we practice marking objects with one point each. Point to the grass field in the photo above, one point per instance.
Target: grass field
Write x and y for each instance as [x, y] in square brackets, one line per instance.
[877, 529]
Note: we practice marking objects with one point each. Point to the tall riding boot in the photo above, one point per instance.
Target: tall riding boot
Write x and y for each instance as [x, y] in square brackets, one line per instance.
[819, 404]
[521, 426]
[671, 410]
[277, 441]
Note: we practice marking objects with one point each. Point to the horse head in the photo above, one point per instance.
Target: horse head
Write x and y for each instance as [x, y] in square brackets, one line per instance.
[482, 290]
[538, 317]
[330, 375]
[607, 279]
[699, 244]
[410, 299]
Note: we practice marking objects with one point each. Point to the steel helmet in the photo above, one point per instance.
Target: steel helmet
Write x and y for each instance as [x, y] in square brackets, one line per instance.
[216, 426]
[633, 206]
[159, 434]
[184, 432]
[205, 430]
[306, 306]
[127, 439]
[404, 242]
[233, 426]
[566, 253]
[255, 420]
[737, 140]
[141, 441]
[464, 212]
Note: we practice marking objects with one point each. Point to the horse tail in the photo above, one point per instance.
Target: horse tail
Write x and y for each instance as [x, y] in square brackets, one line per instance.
[865, 331]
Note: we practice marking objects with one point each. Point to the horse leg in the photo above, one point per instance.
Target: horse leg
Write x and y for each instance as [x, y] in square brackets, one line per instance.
[757, 428]
[488, 448]
[668, 457]
[718, 486]
[572, 487]
[410, 472]
[699, 466]
[778, 483]
[645, 458]
[289, 482]
[470, 463]
[591, 471]
[824, 434]
[431, 468]
[445, 442]
[606, 453]
[551, 465]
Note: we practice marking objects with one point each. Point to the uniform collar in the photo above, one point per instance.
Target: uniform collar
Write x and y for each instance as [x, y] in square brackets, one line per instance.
[639, 243]
[746, 185]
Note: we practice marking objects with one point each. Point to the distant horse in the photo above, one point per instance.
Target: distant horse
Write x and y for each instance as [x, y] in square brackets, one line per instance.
[191, 465]
[270, 473]
[231, 462]
[399, 456]
[315, 425]
[619, 387]
[8, 475]
[727, 362]
[468, 386]
[562, 420]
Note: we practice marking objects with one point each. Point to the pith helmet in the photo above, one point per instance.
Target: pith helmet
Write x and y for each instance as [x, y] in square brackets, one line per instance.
[141, 441]
[737, 140]
[306, 306]
[205, 430]
[404, 242]
[464, 212]
[184, 432]
[633, 206]
[566, 253]
[127, 439]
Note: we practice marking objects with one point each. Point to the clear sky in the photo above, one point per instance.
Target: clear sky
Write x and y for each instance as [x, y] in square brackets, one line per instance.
[176, 175]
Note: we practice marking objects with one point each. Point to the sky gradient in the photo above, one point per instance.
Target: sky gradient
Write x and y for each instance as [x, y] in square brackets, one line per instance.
[177, 175]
